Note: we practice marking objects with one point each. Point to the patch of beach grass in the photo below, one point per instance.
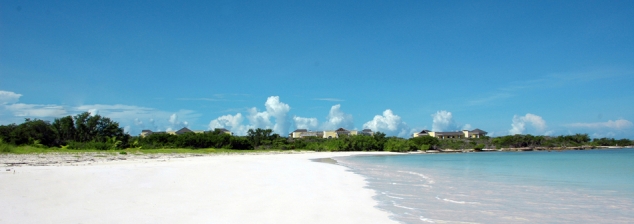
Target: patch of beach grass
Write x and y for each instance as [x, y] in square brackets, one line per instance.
[206, 151]
[27, 149]
[7, 148]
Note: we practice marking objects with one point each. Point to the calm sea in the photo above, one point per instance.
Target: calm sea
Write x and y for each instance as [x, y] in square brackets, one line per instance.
[591, 186]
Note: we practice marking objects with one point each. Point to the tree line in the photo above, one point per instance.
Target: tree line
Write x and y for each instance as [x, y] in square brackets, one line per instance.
[86, 131]
[81, 131]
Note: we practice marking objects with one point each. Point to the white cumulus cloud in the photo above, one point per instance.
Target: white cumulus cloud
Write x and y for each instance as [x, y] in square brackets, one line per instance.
[234, 123]
[279, 111]
[258, 119]
[338, 119]
[175, 124]
[388, 123]
[305, 123]
[7, 97]
[443, 121]
[519, 123]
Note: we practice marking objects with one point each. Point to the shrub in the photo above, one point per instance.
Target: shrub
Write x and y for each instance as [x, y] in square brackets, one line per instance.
[89, 145]
[425, 140]
[397, 145]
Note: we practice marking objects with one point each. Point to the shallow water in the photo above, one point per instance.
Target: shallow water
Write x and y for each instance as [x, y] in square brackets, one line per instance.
[591, 186]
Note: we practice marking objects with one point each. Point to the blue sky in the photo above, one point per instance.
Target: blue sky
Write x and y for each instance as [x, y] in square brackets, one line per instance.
[530, 67]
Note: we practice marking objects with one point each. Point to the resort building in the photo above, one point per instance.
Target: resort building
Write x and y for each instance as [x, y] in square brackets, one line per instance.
[475, 133]
[179, 132]
[421, 133]
[337, 133]
[367, 132]
[301, 133]
[145, 133]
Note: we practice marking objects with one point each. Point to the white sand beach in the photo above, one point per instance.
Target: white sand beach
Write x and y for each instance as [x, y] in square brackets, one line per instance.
[278, 188]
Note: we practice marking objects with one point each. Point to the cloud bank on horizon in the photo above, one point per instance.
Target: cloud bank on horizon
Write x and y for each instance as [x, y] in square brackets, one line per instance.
[277, 116]
[519, 124]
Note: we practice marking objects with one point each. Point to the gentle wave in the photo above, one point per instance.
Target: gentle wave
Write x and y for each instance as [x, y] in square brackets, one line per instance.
[428, 179]
[502, 187]
[400, 206]
[389, 196]
[443, 221]
[457, 202]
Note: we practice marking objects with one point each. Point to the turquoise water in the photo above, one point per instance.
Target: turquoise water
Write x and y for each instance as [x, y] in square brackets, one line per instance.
[590, 186]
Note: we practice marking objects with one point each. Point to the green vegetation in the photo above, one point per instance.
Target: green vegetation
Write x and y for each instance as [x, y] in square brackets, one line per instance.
[398, 145]
[97, 134]
[577, 140]
[531, 141]
[82, 131]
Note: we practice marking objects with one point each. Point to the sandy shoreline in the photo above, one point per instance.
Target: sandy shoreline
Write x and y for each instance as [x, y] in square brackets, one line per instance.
[273, 188]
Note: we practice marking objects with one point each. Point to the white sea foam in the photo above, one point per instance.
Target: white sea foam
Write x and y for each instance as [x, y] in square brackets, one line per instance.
[442, 221]
[426, 220]
[393, 197]
[428, 179]
[389, 196]
[400, 206]
[457, 202]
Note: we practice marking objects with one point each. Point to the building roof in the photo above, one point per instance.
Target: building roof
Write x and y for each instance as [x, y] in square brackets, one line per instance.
[300, 130]
[183, 130]
[341, 129]
[449, 133]
[146, 130]
[312, 133]
[221, 129]
[424, 132]
[367, 130]
[478, 131]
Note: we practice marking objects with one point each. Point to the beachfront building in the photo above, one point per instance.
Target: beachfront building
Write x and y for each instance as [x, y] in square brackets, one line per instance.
[367, 132]
[180, 131]
[145, 133]
[298, 133]
[475, 133]
[336, 133]
[302, 133]
[421, 133]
